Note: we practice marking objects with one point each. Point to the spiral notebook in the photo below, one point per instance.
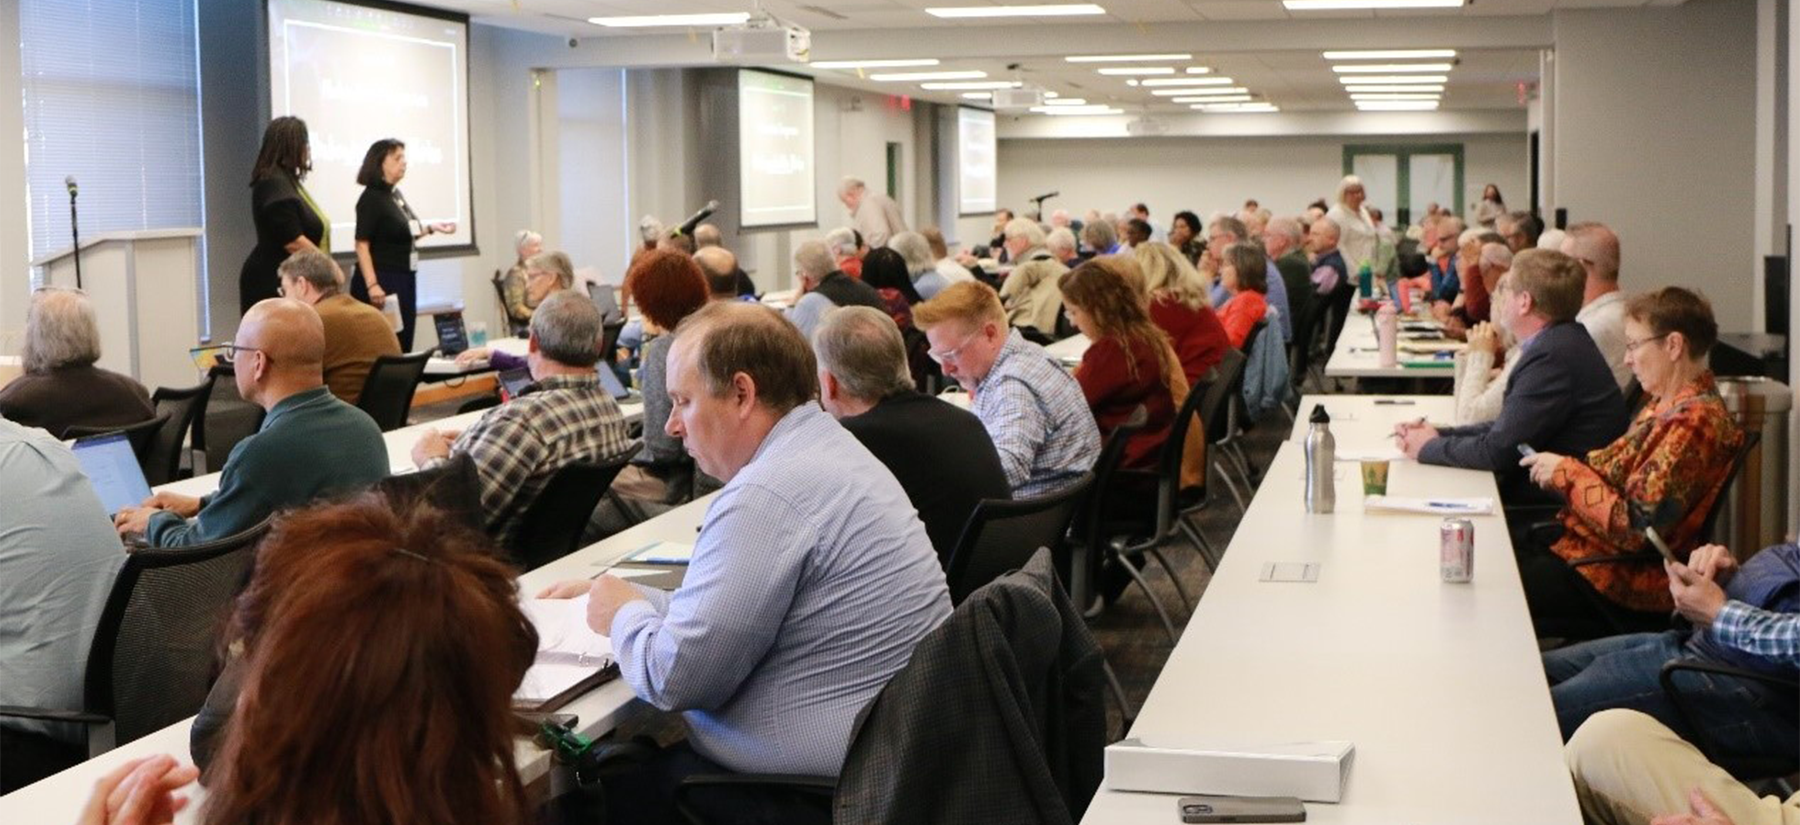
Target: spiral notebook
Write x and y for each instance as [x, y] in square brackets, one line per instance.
[571, 658]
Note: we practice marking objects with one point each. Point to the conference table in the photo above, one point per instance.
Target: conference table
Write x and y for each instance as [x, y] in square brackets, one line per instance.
[1438, 685]
[1069, 350]
[441, 368]
[1358, 354]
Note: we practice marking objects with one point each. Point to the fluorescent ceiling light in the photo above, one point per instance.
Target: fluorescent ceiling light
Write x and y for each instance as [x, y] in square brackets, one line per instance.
[1066, 101]
[1096, 108]
[1205, 102]
[966, 85]
[1342, 5]
[978, 95]
[1363, 97]
[1116, 71]
[1080, 112]
[1199, 70]
[1228, 90]
[1239, 108]
[644, 20]
[1397, 105]
[1393, 68]
[1422, 87]
[1395, 79]
[1127, 58]
[912, 76]
[1058, 10]
[873, 64]
[1392, 54]
[1187, 81]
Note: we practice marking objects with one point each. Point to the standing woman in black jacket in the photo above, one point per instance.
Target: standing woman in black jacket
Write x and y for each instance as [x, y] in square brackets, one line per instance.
[387, 262]
[287, 219]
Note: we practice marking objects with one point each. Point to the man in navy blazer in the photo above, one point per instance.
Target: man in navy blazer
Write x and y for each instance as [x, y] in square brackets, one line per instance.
[1560, 397]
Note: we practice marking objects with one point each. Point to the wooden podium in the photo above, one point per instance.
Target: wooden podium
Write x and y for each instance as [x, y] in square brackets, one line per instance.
[144, 286]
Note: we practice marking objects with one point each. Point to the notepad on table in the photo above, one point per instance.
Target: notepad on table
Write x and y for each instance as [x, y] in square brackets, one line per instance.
[663, 552]
[571, 658]
[1478, 506]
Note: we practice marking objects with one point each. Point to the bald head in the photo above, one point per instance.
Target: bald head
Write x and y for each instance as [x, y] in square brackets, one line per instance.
[707, 235]
[720, 268]
[286, 330]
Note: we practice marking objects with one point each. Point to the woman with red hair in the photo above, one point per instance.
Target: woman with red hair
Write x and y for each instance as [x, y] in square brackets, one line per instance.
[666, 285]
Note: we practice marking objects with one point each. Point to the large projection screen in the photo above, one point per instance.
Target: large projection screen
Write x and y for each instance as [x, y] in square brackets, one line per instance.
[357, 73]
[775, 150]
[976, 161]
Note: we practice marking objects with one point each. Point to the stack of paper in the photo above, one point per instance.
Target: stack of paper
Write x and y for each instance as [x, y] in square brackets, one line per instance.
[571, 657]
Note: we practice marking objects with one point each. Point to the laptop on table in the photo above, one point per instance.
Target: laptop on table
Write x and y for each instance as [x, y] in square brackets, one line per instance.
[112, 467]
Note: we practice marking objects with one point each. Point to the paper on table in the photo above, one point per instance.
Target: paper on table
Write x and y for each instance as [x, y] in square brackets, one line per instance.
[1480, 506]
[568, 650]
[663, 552]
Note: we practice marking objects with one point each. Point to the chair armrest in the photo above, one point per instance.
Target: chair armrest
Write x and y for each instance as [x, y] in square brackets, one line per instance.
[1545, 533]
[1670, 668]
[52, 715]
[1621, 558]
[820, 786]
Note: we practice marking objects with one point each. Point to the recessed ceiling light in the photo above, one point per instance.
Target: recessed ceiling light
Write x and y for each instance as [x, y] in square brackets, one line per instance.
[1342, 5]
[978, 95]
[1422, 87]
[1397, 105]
[1391, 54]
[1392, 68]
[1238, 108]
[1102, 110]
[645, 20]
[1394, 79]
[913, 76]
[1065, 101]
[873, 64]
[1199, 70]
[1223, 90]
[1188, 81]
[1127, 58]
[1120, 71]
[1058, 10]
[1205, 102]
[968, 85]
[1363, 97]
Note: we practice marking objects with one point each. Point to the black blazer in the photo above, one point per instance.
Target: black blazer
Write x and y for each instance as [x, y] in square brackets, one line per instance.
[942, 457]
[1560, 399]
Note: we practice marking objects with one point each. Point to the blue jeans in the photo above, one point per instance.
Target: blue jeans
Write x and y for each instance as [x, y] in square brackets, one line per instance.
[1623, 671]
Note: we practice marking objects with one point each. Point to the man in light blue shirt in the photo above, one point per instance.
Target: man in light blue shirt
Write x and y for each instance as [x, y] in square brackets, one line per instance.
[812, 578]
[58, 558]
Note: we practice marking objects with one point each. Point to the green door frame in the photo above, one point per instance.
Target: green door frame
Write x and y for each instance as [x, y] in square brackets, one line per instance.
[1403, 153]
[893, 170]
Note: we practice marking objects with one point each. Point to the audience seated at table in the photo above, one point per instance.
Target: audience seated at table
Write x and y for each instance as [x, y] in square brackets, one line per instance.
[708, 237]
[545, 273]
[376, 638]
[1283, 242]
[1099, 238]
[811, 580]
[722, 273]
[1032, 408]
[1225, 232]
[1479, 268]
[885, 270]
[1179, 305]
[1129, 363]
[311, 445]
[61, 387]
[1561, 397]
[667, 287]
[564, 417]
[947, 266]
[1479, 386]
[823, 286]
[355, 332]
[1243, 273]
[939, 453]
[1442, 257]
[59, 556]
[1630, 769]
[847, 251]
[1665, 472]
[922, 264]
[1603, 305]
[1029, 292]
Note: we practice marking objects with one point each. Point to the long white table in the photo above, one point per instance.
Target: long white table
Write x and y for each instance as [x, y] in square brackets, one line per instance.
[1069, 350]
[440, 368]
[1358, 355]
[1439, 685]
[59, 798]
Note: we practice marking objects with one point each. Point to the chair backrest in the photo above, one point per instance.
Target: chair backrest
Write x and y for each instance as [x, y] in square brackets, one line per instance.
[1090, 518]
[551, 527]
[1168, 464]
[227, 418]
[387, 393]
[452, 487]
[609, 340]
[1709, 526]
[140, 435]
[1227, 384]
[1306, 334]
[154, 651]
[183, 406]
[1002, 534]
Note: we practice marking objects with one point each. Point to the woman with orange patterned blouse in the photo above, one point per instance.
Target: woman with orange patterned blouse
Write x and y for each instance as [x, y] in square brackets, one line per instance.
[1664, 473]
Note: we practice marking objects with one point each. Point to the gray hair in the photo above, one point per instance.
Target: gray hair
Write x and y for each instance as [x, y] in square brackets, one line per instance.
[1060, 239]
[841, 241]
[1024, 228]
[523, 237]
[1099, 235]
[1227, 223]
[862, 348]
[567, 327]
[61, 330]
[313, 267]
[1496, 256]
[913, 247]
[814, 260]
[650, 229]
[1286, 228]
[1597, 243]
[849, 184]
[556, 263]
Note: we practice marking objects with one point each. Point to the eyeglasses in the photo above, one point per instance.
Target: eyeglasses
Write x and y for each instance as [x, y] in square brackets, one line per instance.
[1632, 346]
[947, 356]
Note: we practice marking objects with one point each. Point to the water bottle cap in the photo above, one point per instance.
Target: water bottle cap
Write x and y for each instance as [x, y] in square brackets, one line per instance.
[1319, 416]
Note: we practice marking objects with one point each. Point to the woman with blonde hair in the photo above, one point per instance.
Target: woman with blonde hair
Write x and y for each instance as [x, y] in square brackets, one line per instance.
[1178, 304]
[1356, 227]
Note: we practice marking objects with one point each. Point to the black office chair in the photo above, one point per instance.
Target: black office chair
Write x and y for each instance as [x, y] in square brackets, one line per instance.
[225, 420]
[1217, 410]
[1745, 767]
[452, 487]
[1169, 508]
[1095, 526]
[162, 461]
[387, 393]
[140, 435]
[1306, 336]
[1002, 534]
[551, 527]
[152, 659]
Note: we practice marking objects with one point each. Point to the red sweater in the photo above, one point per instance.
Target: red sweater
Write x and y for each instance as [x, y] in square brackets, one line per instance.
[1241, 313]
[1200, 340]
[1113, 395]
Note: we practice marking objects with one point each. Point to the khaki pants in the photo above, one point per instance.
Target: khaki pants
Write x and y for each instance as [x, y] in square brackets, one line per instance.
[1629, 769]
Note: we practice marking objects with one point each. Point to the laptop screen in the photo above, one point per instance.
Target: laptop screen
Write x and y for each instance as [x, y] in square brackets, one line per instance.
[515, 382]
[610, 380]
[606, 300]
[113, 469]
[452, 337]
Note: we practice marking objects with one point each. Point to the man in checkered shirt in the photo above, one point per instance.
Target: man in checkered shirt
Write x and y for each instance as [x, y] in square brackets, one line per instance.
[565, 417]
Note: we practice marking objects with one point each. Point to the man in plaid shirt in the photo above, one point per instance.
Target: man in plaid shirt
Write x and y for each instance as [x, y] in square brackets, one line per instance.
[565, 417]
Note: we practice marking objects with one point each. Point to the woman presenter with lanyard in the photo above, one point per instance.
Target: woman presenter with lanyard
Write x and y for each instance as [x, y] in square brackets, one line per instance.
[287, 219]
[387, 262]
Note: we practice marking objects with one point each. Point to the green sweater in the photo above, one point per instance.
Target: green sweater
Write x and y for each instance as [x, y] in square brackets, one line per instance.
[311, 445]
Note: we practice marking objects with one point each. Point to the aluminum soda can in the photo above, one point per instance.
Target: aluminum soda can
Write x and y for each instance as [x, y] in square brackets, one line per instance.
[1456, 549]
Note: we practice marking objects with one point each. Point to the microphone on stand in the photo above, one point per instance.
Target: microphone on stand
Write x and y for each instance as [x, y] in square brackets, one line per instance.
[74, 233]
[1042, 198]
[70, 183]
[687, 226]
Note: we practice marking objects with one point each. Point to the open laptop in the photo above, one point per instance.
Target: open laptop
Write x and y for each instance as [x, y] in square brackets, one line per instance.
[607, 300]
[452, 335]
[112, 467]
[514, 383]
[610, 381]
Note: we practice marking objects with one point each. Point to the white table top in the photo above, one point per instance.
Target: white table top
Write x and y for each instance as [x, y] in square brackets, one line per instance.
[1439, 685]
[440, 368]
[780, 298]
[1364, 424]
[1357, 356]
[1069, 350]
[59, 798]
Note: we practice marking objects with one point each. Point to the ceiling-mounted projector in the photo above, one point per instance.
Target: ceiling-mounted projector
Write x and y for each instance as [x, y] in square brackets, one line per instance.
[1022, 98]
[1146, 127]
[762, 39]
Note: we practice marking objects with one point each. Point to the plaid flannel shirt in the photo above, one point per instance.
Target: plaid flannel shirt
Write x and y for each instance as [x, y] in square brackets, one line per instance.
[1771, 635]
[1038, 418]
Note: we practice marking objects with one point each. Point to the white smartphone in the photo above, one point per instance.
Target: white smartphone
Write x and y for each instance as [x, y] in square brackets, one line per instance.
[1241, 809]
